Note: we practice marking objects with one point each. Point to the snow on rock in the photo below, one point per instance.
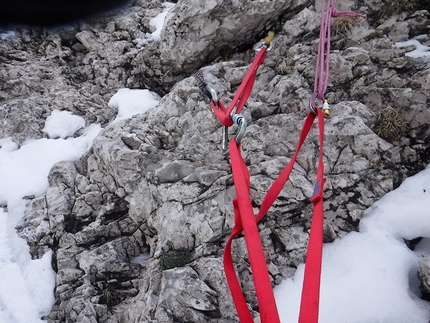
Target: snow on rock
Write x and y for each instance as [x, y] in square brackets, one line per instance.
[419, 51]
[131, 102]
[8, 145]
[7, 34]
[24, 171]
[26, 287]
[62, 124]
[158, 21]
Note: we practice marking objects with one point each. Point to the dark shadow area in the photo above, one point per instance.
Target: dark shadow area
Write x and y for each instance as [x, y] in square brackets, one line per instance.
[53, 12]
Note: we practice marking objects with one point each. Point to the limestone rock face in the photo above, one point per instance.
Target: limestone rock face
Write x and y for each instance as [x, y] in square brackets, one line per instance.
[138, 224]
[202, 30]
[198, 32]
[76, 68]
[158, 184]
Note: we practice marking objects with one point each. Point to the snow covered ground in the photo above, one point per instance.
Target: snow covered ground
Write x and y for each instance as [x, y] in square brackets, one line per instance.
[26, 286]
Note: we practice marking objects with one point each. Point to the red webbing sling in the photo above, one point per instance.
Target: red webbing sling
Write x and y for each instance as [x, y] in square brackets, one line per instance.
[244, 219]
[242, 206]
[246, 222]
[243, 92]
[309, 305]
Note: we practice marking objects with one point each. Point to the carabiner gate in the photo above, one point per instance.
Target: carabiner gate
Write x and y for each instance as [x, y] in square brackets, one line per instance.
[213, 93]
[240, 121]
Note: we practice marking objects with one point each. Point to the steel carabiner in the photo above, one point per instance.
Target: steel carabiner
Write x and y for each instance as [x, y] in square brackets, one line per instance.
[240, 121]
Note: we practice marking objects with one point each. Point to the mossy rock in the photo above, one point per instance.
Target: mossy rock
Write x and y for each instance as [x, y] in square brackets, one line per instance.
[175, 258]
[374, 35]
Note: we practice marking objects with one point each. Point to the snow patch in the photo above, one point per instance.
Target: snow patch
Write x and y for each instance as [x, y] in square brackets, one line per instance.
[141, 258]
[370, 276]
[131, 102]
[7, 34]
[158, 21]
[26, 285]
[420, 49]
[63, 124]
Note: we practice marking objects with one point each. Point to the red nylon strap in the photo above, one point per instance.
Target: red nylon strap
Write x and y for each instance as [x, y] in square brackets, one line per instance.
[309, 305]
[244, 91]
[279, 183]
[245, 221]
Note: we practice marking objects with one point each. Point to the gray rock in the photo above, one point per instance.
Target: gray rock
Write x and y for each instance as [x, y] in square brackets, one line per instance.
[196, 33]
[182, 288]
[424, 275]
[170, 207]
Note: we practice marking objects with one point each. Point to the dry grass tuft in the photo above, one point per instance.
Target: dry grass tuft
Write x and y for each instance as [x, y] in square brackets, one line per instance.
[390, 125]
[343, 25]
[284, 69]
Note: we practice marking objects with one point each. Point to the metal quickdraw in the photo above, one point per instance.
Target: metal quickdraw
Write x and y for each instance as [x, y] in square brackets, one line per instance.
[227, 115]
[326, 109]
[238, 119]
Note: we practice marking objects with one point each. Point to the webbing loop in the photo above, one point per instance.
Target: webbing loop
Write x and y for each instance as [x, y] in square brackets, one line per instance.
[226, 115]
[244, 91]
[245, 221]
[309, 304]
